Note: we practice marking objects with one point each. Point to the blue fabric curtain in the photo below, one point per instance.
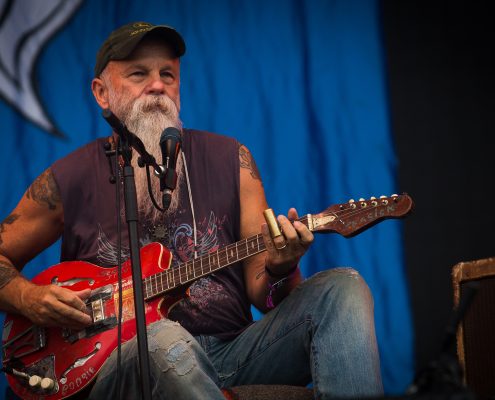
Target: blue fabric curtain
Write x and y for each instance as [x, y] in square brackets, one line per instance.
[301, 83]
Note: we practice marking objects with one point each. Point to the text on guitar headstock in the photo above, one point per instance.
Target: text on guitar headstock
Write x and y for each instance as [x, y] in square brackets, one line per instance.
[349, 219]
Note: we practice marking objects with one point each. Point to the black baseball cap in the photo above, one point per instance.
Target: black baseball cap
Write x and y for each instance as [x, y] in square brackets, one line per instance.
[122, 41]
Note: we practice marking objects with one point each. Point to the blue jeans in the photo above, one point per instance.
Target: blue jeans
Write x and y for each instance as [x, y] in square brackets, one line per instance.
[323, 332]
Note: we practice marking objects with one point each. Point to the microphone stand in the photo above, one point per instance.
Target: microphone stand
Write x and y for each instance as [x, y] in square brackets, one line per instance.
[132, 219]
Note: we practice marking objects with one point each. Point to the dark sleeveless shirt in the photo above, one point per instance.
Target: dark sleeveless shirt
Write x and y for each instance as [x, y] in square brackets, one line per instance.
[218, 304]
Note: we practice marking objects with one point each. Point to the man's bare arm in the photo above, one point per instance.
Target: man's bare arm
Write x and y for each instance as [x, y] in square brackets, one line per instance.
[253, 203]
[35, 224]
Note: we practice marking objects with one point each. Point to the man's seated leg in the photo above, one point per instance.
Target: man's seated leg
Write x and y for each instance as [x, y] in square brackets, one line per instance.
[322, 332]
[178, 365]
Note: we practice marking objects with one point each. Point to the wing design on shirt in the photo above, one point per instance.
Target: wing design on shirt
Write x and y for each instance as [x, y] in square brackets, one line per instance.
[107, 251]
[25, 28]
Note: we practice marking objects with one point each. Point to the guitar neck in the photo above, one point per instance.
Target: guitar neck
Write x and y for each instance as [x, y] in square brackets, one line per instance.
[347, 219]
[194, 269]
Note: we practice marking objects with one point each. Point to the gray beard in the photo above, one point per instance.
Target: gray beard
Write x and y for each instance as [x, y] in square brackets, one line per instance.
[148, 118]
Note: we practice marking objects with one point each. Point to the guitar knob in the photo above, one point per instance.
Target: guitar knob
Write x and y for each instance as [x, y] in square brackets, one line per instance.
[361, 199]
[372, 198]
[47, 384]
[383, 197]
[395, 195]
[351, 201]
[35, 381]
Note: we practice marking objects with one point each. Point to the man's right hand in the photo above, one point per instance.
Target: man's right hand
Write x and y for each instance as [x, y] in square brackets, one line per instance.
[51, 305]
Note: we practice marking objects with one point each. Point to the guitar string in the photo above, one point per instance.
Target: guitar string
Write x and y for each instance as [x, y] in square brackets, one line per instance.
[222, 260]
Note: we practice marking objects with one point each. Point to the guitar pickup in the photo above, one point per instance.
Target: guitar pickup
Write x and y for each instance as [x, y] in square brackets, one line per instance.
[97, 310]
[96, 302]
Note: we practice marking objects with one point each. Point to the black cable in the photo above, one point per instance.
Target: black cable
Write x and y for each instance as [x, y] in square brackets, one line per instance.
[150, 192]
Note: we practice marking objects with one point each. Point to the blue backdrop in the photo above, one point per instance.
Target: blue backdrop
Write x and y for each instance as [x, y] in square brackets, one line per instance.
[301, 83]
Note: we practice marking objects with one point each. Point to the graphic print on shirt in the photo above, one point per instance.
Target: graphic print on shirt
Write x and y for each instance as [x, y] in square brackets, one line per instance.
[206, 289]
[107, 251]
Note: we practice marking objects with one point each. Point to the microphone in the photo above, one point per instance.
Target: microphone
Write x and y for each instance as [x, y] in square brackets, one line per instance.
[170, 142]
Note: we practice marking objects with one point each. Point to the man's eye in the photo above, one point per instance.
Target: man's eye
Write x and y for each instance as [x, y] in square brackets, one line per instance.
[137, 73]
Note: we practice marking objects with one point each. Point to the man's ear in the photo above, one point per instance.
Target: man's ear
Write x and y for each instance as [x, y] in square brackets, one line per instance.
[100, 91]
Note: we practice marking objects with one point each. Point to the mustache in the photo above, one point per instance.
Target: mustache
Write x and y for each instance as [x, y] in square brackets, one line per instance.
[155, 103]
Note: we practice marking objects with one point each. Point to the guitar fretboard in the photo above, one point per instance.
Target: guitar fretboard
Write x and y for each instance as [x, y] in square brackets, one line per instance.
[191, 270]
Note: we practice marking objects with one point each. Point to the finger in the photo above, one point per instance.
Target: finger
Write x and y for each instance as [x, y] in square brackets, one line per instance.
[287, 229]
[270, 246]
[74, 299]
[70, 308]
[292, 214]
[68, 315]
[306, 237]
[83, 294]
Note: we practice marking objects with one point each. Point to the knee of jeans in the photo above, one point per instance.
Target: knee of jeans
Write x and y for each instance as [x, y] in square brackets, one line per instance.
[171, 347]
[345, 285]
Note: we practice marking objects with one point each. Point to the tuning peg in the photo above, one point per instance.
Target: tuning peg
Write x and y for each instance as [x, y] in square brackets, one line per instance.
[372, 198]
[383, 197]
[351, 200]
[352, 203]
[361, 199]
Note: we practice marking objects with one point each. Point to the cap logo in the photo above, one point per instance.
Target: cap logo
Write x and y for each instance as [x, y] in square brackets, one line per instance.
[141, 27]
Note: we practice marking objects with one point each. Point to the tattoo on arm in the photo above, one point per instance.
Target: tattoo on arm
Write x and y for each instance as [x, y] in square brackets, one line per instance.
[7, 273]
[247, 161]
[44, 190]
[7, 221]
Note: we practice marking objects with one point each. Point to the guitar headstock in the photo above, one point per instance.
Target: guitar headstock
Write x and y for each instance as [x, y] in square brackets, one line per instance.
[349, 219]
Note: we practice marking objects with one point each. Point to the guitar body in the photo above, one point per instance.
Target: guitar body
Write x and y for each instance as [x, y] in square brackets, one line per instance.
[72, 359]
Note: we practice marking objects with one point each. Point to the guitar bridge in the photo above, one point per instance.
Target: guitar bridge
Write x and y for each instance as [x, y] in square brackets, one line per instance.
[27, 342]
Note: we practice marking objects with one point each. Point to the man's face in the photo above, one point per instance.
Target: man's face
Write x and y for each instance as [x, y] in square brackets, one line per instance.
[151, 70]
[143, 92]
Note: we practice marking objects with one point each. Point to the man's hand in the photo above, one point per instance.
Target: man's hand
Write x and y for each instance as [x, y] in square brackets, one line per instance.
[284, 252]
[51, 305]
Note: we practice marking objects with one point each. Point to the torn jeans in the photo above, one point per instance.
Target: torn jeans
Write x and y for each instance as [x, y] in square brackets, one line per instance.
[323, 332]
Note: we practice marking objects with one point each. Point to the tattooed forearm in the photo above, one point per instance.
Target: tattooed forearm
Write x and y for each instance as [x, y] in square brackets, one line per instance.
[247, 161]
[44, 190]
[7, 273]
[7, 221]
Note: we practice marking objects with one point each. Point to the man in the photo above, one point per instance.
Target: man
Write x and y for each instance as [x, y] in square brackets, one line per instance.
[322, 333]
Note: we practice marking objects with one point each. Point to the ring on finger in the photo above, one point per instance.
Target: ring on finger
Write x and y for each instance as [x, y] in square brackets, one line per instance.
[282, 247]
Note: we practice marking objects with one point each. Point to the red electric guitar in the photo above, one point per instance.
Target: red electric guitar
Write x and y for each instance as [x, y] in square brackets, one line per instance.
[55, 363]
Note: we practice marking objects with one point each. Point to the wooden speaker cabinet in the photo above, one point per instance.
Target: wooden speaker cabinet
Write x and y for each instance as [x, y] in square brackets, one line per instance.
[476, 333]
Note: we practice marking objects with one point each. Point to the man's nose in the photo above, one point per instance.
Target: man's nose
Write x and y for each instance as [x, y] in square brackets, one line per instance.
[156, 85]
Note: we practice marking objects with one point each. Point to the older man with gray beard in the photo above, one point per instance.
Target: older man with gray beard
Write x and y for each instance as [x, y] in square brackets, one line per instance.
[322, 332]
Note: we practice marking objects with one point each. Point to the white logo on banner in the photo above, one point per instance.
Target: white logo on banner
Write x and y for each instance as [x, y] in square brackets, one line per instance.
[25, 27]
